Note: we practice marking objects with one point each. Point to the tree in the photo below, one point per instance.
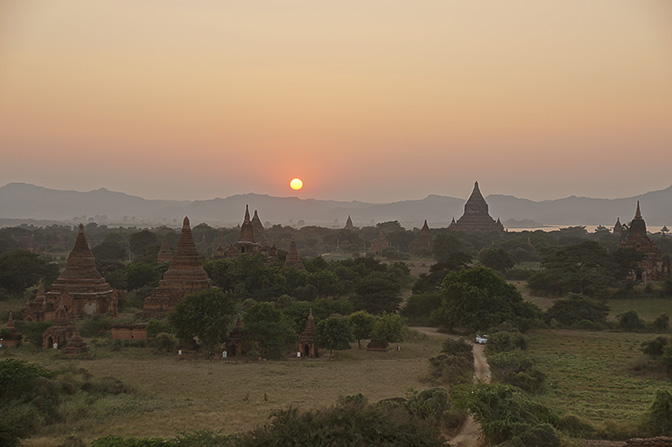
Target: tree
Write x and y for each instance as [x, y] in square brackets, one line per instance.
[377, 294]
[145, 246]
[576, 308]
[334, 333]
[583, 268]
[389, 328]
[631, 321]
[362, 324]
[205, 315]
[110, 250]
[477, 299]
[269, 329]
[141, 274]
[444, 245]
[20, 269]
[496, 258]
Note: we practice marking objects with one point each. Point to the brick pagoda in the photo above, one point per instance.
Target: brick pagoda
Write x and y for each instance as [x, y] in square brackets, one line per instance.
[476, 216]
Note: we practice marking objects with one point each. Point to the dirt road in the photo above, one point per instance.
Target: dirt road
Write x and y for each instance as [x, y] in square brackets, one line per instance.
[469, 434]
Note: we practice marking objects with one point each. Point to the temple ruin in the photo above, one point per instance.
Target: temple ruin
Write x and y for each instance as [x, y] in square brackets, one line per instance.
[185, 275]
[476, 216]
[651, 267]
[423, 243]
[293, 259]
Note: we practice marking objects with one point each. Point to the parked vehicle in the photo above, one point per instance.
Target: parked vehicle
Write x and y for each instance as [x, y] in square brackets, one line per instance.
[481, 339]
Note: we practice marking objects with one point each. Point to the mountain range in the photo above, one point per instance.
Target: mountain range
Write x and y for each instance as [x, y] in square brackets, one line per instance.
[26, 203]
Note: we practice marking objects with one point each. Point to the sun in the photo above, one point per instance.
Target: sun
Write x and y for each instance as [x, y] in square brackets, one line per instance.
[296, 184]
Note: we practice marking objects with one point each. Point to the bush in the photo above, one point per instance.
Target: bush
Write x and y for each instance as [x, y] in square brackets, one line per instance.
[661, 323]
[451, 369]
[32, 332]
[505, 341]
[576, 308]
[654, 348]
[517, 369]
[459, 347]
[630, 321]
[657, 419]
[428, 403]
[95, 326]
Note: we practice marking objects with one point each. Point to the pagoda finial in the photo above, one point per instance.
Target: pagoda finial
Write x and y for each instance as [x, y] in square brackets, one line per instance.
[247, 214]
[638, 213]
[185, 222]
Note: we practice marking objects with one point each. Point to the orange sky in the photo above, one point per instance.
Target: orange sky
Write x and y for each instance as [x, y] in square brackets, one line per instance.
[375, 100]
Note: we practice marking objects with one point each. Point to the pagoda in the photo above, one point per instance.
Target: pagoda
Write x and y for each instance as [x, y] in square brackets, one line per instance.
[76, 346]
[165, 254]
[247, 243]
[652, 264]
[423, 243]
[235, 343]
[380, 244]
[618, 227]
[307, 339]
[258, 229]
[348, 224]
[80, 288]
[13, 338]
[293, 259]
[476, 216]
[185, 275]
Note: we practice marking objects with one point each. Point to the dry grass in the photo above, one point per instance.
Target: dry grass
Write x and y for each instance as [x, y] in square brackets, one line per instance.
[184, 393]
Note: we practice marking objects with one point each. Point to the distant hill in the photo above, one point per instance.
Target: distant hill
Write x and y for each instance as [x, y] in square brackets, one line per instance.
[21, 202]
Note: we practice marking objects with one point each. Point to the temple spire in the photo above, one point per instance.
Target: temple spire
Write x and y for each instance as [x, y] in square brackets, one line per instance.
[638, 213]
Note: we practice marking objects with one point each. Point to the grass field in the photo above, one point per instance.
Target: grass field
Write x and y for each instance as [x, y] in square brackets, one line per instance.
[183, 394]
[589, 375]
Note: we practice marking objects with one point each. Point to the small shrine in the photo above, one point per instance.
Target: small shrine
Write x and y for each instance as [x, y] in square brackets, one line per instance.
[651, 267]
[380, 244]
[293, 259]
[423, 243]
[76, 346]
[235, 343]
[14, 338]
[307, 346]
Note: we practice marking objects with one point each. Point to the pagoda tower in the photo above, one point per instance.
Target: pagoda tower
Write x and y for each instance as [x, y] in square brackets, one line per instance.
[652, 264]
[165, 254]
[247, 242]
[235, 342]
[81, 288]
[185, 275]
[348, 224]
[76, 345]
[247, 230]
[258, 229]
[424, 240]
[380, 244]
[293, 258]
[307, 339]
[476, 216]
[618, 228]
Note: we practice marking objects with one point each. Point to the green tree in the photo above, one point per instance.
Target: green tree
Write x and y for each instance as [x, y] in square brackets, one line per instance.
[205, 315]
[583, 268]
[444, 245]
[631, 321]
[477, 299]
[362, 324]
[141, 274]
[389, 328]
[576, 308]
[496, 258]
[20, 269]
[334, 333]
[377, 294]
[110, 250]
[269, 328]
[145, 246]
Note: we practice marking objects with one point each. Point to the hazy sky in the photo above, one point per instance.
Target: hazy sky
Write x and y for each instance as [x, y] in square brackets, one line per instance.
[373, 100]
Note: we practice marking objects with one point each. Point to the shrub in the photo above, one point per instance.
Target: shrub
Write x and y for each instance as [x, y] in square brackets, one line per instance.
[32, 332]
[517, 369]
[661, 323]
[654, 348]
[451, 369]
[95, 326]
[505, 341]
[657, 419]
[630, 321]
[576, 308]
[459, 347]
[428, 403]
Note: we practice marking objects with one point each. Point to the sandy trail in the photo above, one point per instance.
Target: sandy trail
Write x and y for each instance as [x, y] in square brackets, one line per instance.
[470, 433]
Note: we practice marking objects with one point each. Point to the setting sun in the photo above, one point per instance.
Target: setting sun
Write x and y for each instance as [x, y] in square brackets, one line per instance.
[296, 184]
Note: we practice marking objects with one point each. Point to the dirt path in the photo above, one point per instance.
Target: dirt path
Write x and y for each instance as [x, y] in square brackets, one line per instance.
[469, 434]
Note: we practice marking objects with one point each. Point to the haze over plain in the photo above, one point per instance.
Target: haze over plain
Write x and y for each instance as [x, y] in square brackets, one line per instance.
[376, 101]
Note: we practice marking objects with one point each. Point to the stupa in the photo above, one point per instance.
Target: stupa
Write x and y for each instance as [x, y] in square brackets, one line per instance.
[476, 216]
[76, 346]
[236, 340]
[81, 289]
[184, 275]
[380, 244]
[293, 259]
[258, 229]
[165, 254]
[423, 243]
[247, 243]
[348, 224]
[307, 339]
[652, 264]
